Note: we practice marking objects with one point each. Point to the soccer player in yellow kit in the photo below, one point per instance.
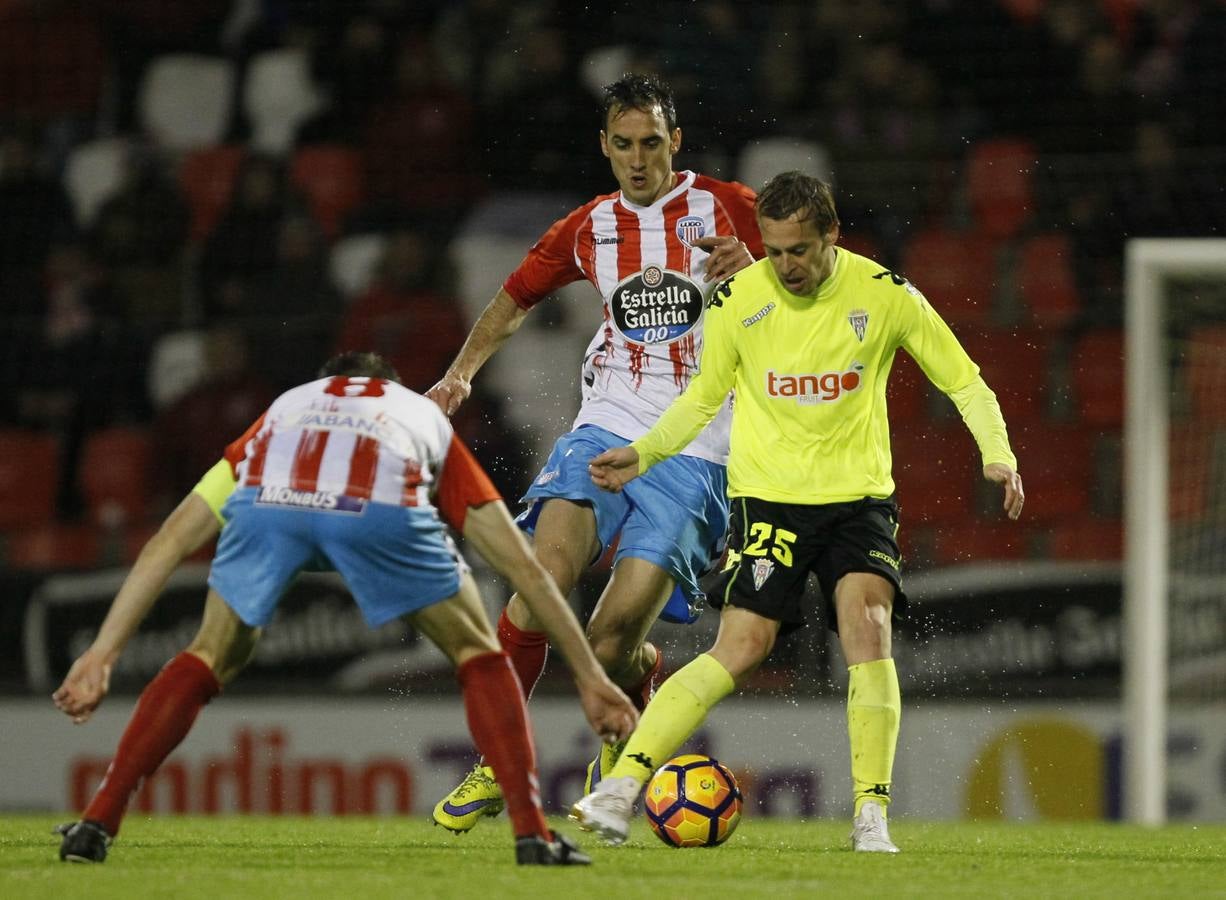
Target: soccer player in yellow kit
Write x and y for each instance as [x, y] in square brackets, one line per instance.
[806, 339]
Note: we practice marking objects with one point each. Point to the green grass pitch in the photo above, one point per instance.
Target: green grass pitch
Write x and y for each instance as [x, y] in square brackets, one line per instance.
[241, 857]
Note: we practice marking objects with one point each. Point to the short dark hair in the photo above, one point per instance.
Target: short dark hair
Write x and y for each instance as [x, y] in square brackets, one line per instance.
[792, 193]
[360, 363]
[641, 92]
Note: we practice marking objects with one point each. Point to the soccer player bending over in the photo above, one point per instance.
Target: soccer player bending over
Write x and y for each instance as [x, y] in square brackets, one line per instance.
[806, 338]
[653, 250]
[351, 470]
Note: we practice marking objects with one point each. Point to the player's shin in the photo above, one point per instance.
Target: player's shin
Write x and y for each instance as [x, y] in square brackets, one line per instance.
[499, 725]
[874, 708]
[679, 706]
[164, 714]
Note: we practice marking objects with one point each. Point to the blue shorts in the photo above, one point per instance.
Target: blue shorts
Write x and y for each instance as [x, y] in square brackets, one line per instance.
[395, 559]
[675, 516]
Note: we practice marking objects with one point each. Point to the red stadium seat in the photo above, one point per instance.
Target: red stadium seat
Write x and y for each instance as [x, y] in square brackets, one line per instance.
[1015, 365]
[1191, 469]
[955, 271]
[55, 545]
[1097, 371]
[1046, 282]
[331, 178]
[907, 390]
[935, 471]
[1204, 370]
[982, 542]
[999, 179]
[115, 473]
[29, 478]
[207, 177]
[1087, 539]
[1057, 467]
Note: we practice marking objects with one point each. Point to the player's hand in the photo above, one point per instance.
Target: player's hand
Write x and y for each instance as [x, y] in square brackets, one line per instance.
[1014, 495]
[83, 688]
[728, 256]
[450, 391]
[612, 469]
[608, 709]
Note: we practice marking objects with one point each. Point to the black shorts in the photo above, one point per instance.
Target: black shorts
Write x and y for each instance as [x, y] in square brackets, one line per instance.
[772, 548]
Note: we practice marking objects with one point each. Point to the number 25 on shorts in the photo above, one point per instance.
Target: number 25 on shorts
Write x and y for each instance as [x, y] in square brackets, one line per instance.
[781, 547]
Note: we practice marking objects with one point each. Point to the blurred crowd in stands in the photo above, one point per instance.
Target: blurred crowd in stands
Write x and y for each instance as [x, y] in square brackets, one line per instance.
[200, 201]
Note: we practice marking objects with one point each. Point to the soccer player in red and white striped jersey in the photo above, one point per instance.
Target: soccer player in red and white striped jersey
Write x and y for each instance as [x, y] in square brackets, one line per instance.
[357, 470]
[653, 250]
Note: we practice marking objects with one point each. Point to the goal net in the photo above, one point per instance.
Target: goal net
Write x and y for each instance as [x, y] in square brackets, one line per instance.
[1175, 501]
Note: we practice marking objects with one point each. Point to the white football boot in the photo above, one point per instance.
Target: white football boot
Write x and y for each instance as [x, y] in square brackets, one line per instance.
[869, 832]
[607, 809]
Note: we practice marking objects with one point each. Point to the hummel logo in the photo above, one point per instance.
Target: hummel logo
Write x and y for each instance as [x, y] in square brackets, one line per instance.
[643, 760]
[609, 240]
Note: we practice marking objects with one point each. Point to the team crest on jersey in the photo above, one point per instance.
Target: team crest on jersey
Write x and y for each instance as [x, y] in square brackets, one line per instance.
[762, 569]
[690, 229]
[859, 322]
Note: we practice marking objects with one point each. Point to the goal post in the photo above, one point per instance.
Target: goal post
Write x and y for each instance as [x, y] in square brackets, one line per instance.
[1150, 266]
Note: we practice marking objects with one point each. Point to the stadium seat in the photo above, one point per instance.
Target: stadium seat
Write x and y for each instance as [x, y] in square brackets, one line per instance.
[763, 158]
[1087, 539]
[604, 65]
[860, 243]
[278, 96]
[1014, 363]
[93, 174]
[207, 178]
[956, 272]
[29, 477]
[177, 363]
[55, 545]
[935, 472]
[114, 474]
[1097, 371]
[1191, 468]
[1056, 462]
[330, 176]
[353, 262]
[1046, 281]
[186, 100]
[1204, 373]
[982, 542]
[906, 391]
[999, 180]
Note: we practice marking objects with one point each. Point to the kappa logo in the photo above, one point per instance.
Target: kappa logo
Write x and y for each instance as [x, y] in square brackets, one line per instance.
[762, 569]
[758, 316]
[643, 760]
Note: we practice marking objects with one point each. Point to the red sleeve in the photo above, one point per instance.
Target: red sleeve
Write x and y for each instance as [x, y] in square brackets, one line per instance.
[463, 484]
[238, 449]
[738, 203]
[550, 264]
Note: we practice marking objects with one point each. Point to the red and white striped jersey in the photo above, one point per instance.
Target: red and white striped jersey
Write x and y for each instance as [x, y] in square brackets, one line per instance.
[642, 261]
[363, 439]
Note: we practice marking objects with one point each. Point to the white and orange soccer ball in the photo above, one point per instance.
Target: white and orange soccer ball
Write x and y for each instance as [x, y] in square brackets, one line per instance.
[693, 801]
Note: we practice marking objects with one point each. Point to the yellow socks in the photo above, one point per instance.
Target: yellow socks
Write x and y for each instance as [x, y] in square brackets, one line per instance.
[680, 705]
[873, 710]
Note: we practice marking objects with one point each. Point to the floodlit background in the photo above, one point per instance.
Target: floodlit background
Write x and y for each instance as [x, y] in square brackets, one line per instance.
[201, 201]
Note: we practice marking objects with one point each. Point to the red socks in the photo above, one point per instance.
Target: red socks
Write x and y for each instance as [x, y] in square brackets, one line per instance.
[641, 695]
[498, 721]
[527, 650]
[164, 714]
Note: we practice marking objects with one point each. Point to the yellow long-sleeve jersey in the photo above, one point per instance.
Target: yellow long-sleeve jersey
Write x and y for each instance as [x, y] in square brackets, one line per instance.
[809, 374]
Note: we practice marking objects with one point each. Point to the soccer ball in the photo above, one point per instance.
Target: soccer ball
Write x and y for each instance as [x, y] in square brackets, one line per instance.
[693, 801]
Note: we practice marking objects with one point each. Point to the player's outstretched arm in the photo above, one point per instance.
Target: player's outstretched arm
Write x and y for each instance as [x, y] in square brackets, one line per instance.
[614, 468]
[500, 319]
[491, 531]
[184, 531]
[728, 256]
[1012, 482]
